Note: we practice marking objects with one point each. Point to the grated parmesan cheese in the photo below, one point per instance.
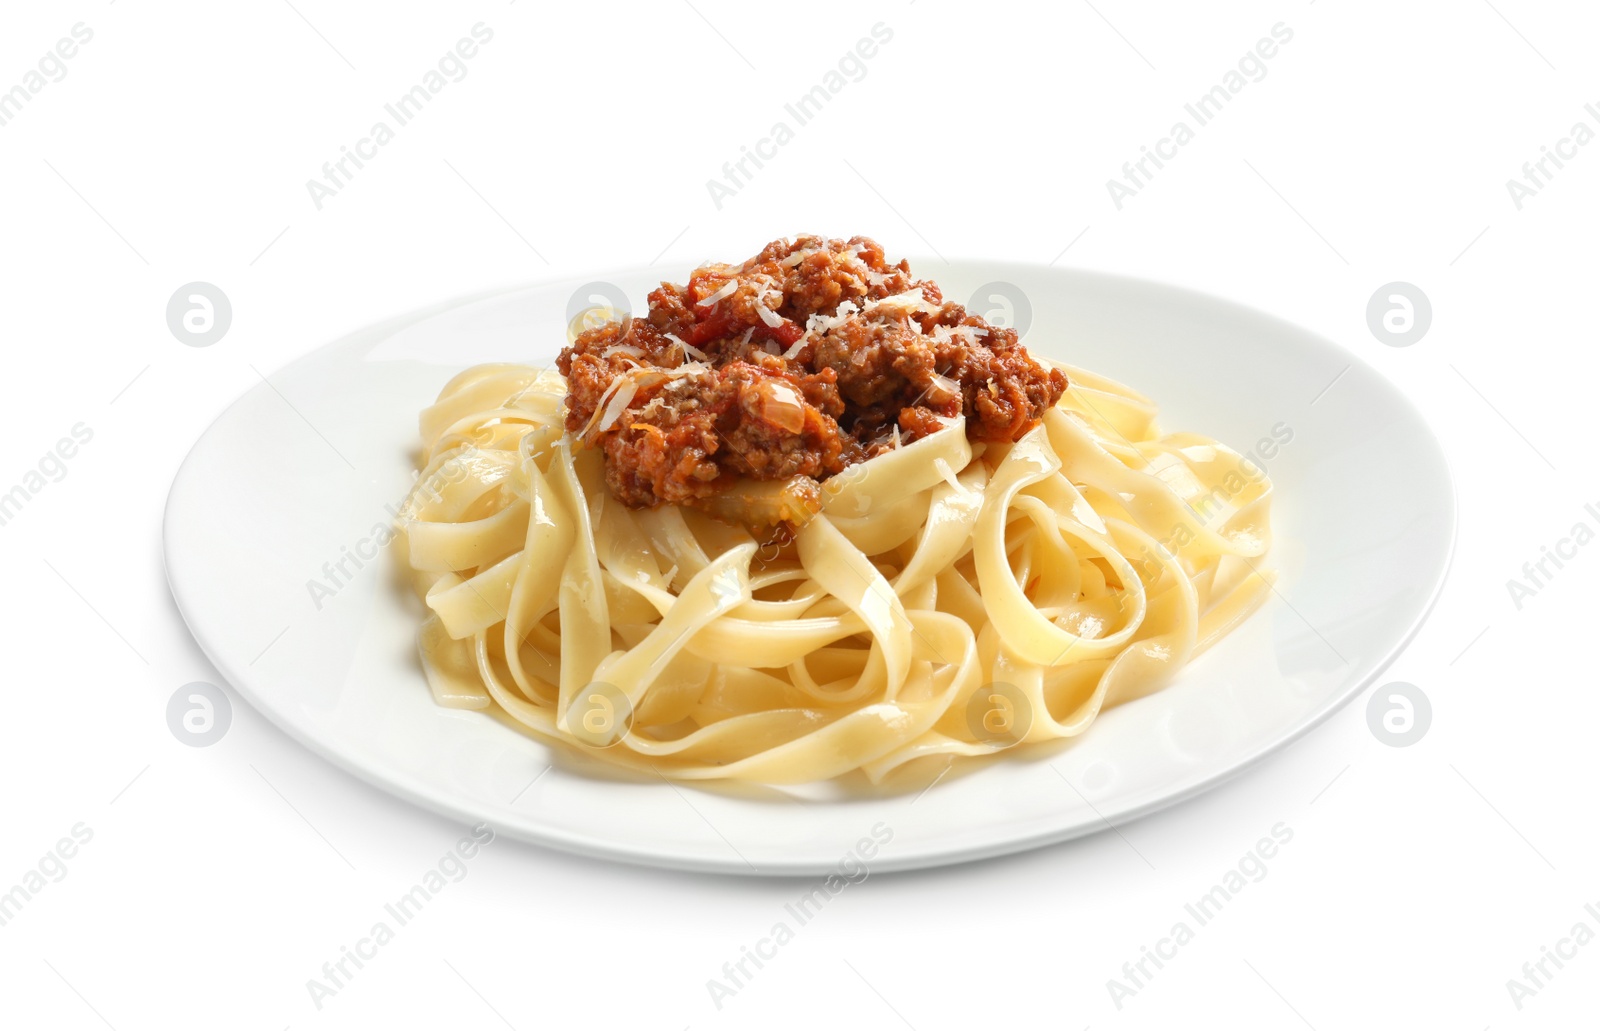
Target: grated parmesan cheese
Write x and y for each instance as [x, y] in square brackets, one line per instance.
[768, 316]
[688, 348]
[968, 334]
[723, 291]
[949, 387]
[943, 469]
[910, 301]
[625, 387]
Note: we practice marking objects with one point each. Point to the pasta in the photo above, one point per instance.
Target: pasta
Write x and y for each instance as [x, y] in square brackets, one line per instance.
[950, 599]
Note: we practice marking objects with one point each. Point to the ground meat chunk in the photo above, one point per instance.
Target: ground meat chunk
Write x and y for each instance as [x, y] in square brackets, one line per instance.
[810, 357]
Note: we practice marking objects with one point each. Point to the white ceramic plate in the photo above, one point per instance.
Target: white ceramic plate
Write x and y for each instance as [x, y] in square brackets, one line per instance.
[295, 479]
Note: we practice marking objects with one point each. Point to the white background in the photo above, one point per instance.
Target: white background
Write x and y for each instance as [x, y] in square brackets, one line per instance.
[1376, 149]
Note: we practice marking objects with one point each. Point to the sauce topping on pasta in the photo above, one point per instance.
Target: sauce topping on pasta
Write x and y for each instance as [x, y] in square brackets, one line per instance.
[760, 380]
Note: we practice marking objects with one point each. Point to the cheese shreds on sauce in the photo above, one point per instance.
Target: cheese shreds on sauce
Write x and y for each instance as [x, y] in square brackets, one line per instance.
[808, 358]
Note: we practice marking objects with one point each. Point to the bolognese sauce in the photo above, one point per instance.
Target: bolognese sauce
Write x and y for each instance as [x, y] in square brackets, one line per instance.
[809, 358]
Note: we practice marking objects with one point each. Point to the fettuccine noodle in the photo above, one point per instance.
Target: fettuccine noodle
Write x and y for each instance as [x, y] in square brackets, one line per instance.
[951, 599]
